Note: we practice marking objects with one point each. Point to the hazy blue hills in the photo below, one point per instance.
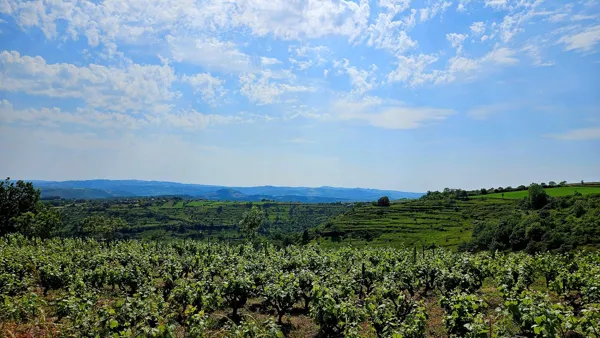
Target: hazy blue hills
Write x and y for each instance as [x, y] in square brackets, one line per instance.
[93, 189]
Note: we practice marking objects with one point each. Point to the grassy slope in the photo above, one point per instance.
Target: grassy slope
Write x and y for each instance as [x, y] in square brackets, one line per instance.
[555, 192]
[407, 223]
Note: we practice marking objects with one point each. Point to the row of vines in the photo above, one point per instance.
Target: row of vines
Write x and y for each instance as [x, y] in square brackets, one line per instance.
[85, 288]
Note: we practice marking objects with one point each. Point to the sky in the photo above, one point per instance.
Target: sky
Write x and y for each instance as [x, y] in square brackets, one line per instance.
[390, 94]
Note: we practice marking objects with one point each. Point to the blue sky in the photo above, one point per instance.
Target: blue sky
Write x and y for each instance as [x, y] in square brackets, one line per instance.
[395, 94]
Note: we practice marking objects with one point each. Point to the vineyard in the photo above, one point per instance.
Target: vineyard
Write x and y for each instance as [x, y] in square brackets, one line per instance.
[82, 287]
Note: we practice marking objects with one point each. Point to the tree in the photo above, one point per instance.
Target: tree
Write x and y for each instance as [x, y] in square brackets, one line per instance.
[305, 237]
[537, 196]
[15, 200]
[383, 201]
[251, 222]
[37, 225]
[563, 183]
[552, 184]
[483, 191]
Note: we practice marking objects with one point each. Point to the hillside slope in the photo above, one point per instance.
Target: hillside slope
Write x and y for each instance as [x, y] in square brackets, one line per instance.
[418, 222]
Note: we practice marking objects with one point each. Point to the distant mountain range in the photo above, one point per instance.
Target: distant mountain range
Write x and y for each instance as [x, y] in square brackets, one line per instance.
[94, 189]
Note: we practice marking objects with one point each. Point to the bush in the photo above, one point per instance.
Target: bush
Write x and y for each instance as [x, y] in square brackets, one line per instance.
[383, 201]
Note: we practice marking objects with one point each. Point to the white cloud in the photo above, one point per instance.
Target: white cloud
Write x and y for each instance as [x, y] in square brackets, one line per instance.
[496, 3]
[316, 55]
[430, 12]
[519, 12]
[395, 6]
[461, 64]
[311, 19]
[379, 114]
[266, 87]
[583, 41]
[534, 53]
[113, 21]
[583, 134]
[325, 72]
[265, 61]
[208, 86]
[306, 50]
[502, 55]
[462, 6]
[456, 40]
[361, 80]
[412, 69]
[133, 87]
[93, 119]
[391, 35]
[55, 117]
[193, 120]
[210, 53]
[301, 65]
[477, 28]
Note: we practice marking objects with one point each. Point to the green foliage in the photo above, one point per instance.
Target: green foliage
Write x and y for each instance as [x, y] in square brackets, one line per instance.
[561, 225]
[281, 292]
[383, 201]
[336, 312]
[21, 308]
[21, 211]
[100, 227]
[253, 329]
[93, 288]
[464, 315]
[532, 315]
[391, 312]
[251, 221]
[40, 224]
[537, 196]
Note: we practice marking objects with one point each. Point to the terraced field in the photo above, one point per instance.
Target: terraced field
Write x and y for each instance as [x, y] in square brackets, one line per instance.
[412, 222]
[554, 192]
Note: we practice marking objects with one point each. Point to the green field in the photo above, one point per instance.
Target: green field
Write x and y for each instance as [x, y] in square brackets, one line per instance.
[554, 192]
[407, 223]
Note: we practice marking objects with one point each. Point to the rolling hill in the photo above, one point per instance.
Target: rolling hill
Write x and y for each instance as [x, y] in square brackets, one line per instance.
[95, 189]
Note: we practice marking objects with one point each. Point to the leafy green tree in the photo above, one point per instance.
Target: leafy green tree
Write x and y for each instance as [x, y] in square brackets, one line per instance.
[383, 201]
[37, 225]
[251, 222]
[537, 196]
[552, 184]
[15, 200]
[563, 184]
